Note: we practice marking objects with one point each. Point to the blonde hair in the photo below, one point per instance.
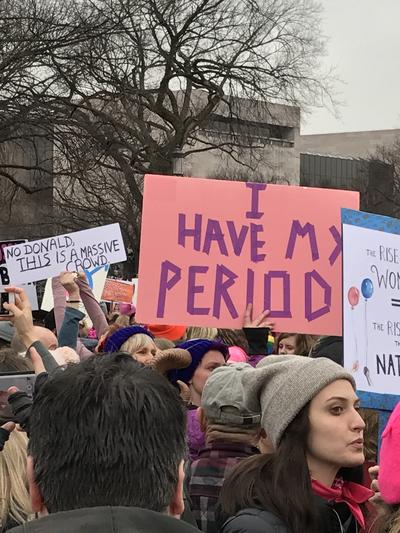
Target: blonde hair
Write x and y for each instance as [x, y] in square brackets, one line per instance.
[136, 343]
[390, 521]
[122, 321]
[14, 494]
[196, 332]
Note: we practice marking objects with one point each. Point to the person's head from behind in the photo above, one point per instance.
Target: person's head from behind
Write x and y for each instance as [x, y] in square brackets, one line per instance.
[230, 411]
[234, 337]
[207, 355]
[10, 361]
[294, 344]
[134, 340]
[44, 335]
[107, 432]
[198, 332]
[310, 413]
[15, 505]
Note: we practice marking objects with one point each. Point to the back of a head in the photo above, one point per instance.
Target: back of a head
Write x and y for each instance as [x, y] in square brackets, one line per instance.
[107, 432]
[234, 337]
[15, 505]
[197, 332]
[229, 404]
[44, 335]
[10, 361]
[330, 347]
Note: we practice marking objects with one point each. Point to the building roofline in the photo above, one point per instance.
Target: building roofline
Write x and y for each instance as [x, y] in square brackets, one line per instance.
[350, 132]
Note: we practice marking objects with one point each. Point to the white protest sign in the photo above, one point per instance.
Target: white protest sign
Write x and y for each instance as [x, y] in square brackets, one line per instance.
[30, 292]
[82, 250]
[96, 279]
[371, 300]
[4, 276]
[135, 283]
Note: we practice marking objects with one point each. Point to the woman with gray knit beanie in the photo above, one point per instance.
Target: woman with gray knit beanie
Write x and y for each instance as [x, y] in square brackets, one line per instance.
[310, 484]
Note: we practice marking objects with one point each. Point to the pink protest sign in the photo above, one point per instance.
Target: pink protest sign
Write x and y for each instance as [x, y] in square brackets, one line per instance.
[208, 248]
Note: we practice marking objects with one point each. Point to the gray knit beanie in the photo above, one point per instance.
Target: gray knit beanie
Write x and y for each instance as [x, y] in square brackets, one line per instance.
[286, 383]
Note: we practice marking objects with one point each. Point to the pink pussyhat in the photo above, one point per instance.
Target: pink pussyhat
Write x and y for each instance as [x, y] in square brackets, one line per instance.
[237, 355]
[389, 464]
[126, 309]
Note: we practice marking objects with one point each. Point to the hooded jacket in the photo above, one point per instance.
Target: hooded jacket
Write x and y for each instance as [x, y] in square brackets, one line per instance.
[106, 520]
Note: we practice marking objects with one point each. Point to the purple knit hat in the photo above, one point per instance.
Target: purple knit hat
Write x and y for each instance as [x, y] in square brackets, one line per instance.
[197, 349]
[117, 339]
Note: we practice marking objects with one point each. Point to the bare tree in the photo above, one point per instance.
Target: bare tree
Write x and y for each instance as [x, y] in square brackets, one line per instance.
[125, 87]
[383, 180]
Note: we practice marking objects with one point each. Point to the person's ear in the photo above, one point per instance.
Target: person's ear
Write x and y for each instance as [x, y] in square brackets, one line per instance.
[177, 505]
[201, 417]
[34, 491]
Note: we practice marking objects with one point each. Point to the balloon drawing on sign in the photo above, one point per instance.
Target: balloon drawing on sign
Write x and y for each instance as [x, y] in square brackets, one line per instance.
[353, 295]
[367, 290]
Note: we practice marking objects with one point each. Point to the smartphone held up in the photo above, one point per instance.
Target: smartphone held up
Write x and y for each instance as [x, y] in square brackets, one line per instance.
[9, 298]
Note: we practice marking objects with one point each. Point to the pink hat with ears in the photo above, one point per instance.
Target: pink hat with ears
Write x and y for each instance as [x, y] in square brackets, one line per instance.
[237, 355]
[126, 309]
[389, 464]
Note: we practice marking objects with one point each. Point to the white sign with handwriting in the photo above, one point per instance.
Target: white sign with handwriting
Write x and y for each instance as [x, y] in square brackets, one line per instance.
[82, 250]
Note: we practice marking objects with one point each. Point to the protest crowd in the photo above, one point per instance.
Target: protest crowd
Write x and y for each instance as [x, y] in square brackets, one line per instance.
[131, 427]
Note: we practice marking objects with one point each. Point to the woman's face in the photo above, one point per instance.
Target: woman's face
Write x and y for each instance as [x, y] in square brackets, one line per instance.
[212, 360]
[336, 436]
[287, 346]
[146, 354]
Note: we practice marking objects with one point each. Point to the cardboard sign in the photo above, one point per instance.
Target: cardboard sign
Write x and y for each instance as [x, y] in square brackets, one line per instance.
[117, 290]
[208, 248]
[82, 250]
[5, 278]
[96, 279]
[135, 282]
[371, 300]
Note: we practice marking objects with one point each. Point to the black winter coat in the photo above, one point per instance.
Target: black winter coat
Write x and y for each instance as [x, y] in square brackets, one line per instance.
[106, 520]
[335, 519]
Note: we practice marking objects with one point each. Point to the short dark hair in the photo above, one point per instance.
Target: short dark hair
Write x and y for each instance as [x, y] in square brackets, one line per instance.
[107, 432]
[10, 361]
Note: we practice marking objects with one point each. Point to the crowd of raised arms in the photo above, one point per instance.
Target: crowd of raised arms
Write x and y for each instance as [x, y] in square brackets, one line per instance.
[142, 428]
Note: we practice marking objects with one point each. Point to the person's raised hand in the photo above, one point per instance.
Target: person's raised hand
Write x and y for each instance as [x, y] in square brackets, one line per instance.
[21, 314]
[68, 281]
[261, 321]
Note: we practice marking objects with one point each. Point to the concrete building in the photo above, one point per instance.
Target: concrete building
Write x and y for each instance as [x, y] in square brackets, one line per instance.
[30, 161]
[346, 161]
[349, 144]
[264, 136]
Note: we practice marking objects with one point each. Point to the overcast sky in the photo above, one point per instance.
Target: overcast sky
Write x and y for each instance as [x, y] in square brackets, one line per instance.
[364, 45]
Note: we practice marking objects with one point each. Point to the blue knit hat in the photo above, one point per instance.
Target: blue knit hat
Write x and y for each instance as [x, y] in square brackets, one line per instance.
[117, 339]
[197, 349]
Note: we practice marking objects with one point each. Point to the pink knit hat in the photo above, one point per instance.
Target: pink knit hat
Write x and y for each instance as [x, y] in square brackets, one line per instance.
[237, 355]
[389, 471]
[126, 309]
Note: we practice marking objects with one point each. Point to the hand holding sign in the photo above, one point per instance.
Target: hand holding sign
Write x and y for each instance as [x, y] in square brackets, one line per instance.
[68, 281]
